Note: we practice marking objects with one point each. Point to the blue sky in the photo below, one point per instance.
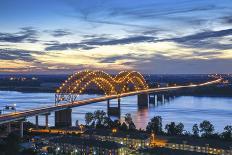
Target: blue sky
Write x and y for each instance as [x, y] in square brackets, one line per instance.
[161, 36]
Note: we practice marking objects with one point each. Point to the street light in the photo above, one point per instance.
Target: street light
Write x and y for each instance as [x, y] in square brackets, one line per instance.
[81, 127]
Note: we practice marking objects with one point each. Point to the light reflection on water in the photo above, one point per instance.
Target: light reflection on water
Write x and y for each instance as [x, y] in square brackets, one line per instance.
[185, 109]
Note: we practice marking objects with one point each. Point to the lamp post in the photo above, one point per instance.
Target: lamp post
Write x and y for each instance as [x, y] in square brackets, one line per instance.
[81, 127]
[14, 107]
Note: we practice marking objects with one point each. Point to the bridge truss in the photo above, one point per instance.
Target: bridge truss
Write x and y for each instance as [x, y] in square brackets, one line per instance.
[77, 83]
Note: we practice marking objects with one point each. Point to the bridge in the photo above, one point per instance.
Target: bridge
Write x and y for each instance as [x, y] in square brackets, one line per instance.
[126, 83]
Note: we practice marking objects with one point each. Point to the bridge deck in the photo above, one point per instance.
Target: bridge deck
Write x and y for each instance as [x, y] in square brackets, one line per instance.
[5, 118]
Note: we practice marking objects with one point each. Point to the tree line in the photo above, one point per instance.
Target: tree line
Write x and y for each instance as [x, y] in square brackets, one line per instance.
[205, 129]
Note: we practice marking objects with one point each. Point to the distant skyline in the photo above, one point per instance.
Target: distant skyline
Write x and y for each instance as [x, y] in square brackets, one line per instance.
[150, 36]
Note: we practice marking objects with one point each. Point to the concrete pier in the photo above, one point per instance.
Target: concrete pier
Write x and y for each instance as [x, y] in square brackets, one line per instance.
[160, 98]
[21, 129]
[63, 118]
[163, 99]
[46, 120]
[9, 127]
[143, 100]
[151, 98]
[156, 100]
[37, 121]
[114, 111]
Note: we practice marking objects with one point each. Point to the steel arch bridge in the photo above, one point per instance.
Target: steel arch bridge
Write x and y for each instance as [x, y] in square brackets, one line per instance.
[77, 83]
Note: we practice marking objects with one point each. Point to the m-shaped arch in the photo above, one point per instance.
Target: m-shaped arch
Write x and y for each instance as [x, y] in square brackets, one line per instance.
[77, 83]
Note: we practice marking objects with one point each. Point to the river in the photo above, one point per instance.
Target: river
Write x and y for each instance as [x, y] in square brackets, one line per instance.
[185, 109]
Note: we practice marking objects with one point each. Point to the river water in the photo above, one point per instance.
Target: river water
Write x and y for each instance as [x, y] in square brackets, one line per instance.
[185, 109]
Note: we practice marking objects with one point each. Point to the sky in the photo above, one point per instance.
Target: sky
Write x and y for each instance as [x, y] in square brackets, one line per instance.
[149, 36]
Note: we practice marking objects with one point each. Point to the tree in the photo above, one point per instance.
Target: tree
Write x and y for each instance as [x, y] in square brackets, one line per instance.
[29, 151]
[12, 144]
[88, 118]
[207, 128]
[116, 124]
[179, 128]
[107, 122]
[155, 125]
[132, 126]
[128, 118]
[227, 134]
[195, 130]
[99, 116]
[123, 127]
[171, 128]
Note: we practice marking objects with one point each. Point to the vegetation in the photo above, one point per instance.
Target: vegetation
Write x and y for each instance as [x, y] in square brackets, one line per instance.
[205, 129]
[155, 125]
[10, 145]
[99, 119]
[195, 130]
[173, 129]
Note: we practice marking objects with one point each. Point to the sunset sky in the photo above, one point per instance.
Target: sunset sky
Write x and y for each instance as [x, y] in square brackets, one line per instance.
[150, 36]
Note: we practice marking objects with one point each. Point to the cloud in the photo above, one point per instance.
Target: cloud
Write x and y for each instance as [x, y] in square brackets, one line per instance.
[27, 34]
[128, 13]
[204, 39]
[122, 41]
[149, 12]
[227, 19]
[100, 41]
[17, 54]
[160, 64]
[66, 46]
[59, 32]
[113, 59]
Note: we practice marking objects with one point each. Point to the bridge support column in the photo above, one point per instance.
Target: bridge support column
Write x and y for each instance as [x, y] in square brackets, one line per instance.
[114, 111]
[21, 129]
[63, 118]
[36, 121]
[167, 98]
[108, 105]
[160, 99]
[156, 100]
[46, 121]
[143, 100]
[163, 99]
[119, 102]
[8, 127]
[151, 98]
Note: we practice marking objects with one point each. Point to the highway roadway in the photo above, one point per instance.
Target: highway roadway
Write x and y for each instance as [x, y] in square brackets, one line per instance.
[15, 116]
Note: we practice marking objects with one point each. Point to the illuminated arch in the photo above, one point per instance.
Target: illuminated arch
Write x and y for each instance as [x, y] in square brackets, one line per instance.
[77, 83]
[134, 78]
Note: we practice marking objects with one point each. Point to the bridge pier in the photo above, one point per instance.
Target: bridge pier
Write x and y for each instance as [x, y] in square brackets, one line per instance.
[63, 118]
[114, 111]
[46, 120]
[163, 99]
[36, 121]
[153, 99]
[21, 129]
[8, 128]
[142, 100]
[156, 99]
[160, 98]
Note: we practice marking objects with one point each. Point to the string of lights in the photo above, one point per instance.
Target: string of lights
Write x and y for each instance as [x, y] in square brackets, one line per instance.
[78, 82]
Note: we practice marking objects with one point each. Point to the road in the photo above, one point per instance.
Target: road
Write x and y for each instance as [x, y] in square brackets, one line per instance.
[5, 118]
